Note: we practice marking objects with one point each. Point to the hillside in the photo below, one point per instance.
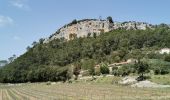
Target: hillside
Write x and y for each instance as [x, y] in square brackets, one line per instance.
[53, 61]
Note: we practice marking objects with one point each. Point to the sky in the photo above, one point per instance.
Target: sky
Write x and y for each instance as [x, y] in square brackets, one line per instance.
[25, 21]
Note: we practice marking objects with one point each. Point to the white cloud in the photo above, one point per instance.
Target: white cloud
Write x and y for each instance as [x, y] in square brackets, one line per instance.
[21, 4]
[5, 21]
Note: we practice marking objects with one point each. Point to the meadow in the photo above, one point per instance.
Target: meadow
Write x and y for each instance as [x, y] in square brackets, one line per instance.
[97, 90]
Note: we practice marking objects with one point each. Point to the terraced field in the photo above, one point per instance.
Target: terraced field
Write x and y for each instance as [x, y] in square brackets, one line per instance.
[77, 91]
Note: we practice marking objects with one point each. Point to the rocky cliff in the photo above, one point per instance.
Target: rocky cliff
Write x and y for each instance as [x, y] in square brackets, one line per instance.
[87, 27]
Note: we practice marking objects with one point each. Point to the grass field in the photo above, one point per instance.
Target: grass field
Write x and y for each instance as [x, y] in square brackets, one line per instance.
[80, 91]
[161, 79]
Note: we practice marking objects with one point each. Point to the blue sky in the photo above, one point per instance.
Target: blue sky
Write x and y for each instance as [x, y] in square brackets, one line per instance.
[25, 21]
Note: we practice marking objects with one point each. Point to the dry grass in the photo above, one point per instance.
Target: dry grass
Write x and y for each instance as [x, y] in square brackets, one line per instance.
[161, 79]
[80, 91]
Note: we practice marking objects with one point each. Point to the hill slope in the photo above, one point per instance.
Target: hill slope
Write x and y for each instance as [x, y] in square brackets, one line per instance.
[52, 61]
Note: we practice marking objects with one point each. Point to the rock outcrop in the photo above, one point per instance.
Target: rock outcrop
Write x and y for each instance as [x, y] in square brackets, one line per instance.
[89, 27]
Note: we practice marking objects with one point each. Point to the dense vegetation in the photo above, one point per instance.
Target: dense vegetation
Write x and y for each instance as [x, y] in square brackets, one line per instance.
[53, 61]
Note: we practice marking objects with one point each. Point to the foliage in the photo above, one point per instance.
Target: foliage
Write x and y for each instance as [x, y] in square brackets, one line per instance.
[35, 64]
[76, 70]
[159, 66]
[115, 71]
[161, 70]
[104, 68]
[73, 22]
[142, 68]
[167, 58]
[97, 71]
[110, 19]
[123, 70]
[87, 63]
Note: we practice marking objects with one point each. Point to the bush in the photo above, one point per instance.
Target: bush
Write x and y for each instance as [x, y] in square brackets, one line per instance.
[167, 58]
[104, 68]
[87, 64]
[161, 70]
[115, 71]
[76, 70]
[142, 68]
[109, 18]
[117, 59]
[164, 70]
[157, 71]
[74, 22]
[123, 70]
[97, 71]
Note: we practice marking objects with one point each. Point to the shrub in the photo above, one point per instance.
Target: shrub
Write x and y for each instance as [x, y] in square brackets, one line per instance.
[164, 70]
[123, 70]
[104, 68]
[167, 58]
[97, 71]
[117, 59]
[142, 68]
[76, 70]
[115, 71]
[87, 64]
[157, 71]
[161, 70]
[74, 22]
[92, 71]
[109, 18]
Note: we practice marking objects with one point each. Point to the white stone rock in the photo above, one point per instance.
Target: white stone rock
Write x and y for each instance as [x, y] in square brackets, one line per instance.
[148, 84]
[128, 80]
[90, 26]
[165, 50]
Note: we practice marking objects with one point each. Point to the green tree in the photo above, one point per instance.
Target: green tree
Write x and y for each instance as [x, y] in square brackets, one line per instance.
[74, 21]
[142, 68]
[41, 40]
[11, 59]
[34, 43]
[76, 70]
[167, 58]
[94, 35]
[104, 68]
[109, 18]
[28, 48]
